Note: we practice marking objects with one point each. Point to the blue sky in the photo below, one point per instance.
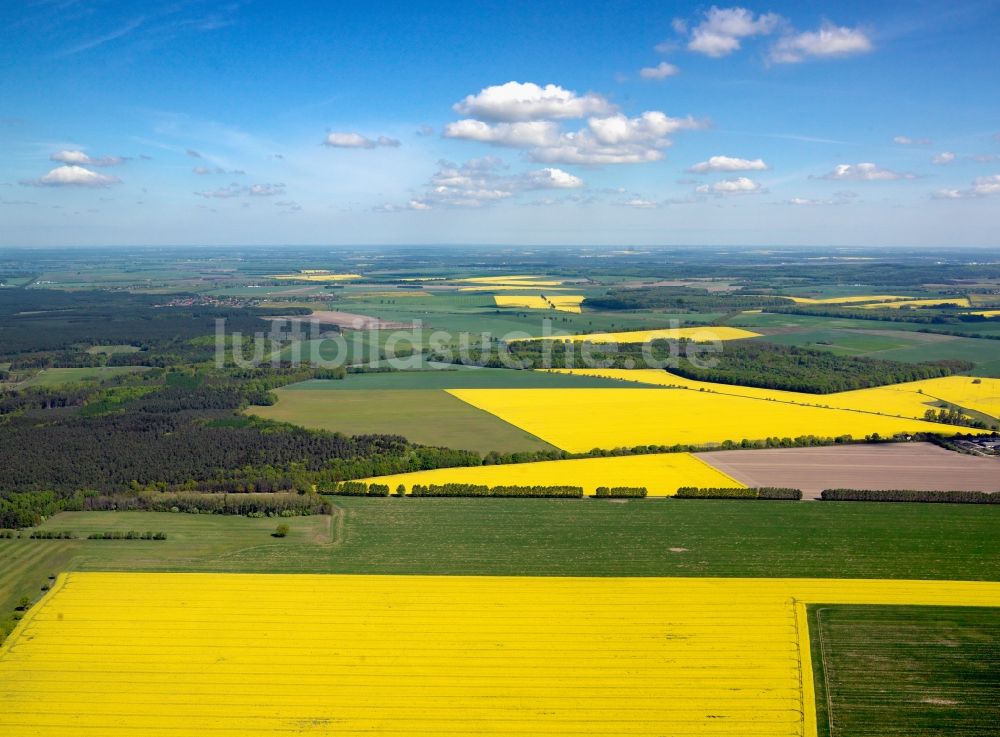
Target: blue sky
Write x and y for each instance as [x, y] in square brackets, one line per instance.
[197, 122]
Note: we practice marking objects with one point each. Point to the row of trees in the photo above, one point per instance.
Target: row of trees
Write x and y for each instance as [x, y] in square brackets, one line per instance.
[681, 299]
[910, 495]
[760, 492]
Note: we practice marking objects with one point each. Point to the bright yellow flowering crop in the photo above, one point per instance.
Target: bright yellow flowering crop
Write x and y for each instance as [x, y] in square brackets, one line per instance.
[700, 335]
[523, 280]
[560, 302]
[195, 655]
[579, 420]
[316, 276]
[957, 301]
[661, 473]
[846, 300]
[910, 399]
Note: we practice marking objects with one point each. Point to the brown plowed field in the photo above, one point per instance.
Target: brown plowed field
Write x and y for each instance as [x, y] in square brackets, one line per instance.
[920, 466]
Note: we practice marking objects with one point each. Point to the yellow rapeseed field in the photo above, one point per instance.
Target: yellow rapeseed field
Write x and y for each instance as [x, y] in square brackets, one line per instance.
[910, 399]
[977, 393]
[661, 473]
[986, 313]
[560, 302]
[523, 280]
[510, 288]
[195, 655]
[316, 276]
[579, 420]
[957, 301]
[846, 300]
[699, 335]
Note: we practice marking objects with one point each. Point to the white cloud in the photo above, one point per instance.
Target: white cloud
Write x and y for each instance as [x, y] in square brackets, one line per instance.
[265, 190]
[81, 159]
[719, 33]
[865, 172]
[907, 141]
[660, 71]
[739, 185]
[528, 134]
[72, 176]
[192, 153]
[728, 163]
[552, 178]
[829, 41]
[480, 182]
[640, 203]
[356, 140]
[981, 187]
[943, 158]
[615, 139]
[515, 101]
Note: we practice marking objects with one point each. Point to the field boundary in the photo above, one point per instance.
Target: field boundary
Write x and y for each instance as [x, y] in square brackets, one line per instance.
[30, 614]
[807, 686]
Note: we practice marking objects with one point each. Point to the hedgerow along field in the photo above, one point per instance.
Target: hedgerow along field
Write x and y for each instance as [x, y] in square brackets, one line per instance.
[480, 655]
[660, 473]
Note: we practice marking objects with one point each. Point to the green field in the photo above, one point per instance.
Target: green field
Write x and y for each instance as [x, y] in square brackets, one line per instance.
[900, 671]
[890, 671]
[539, 537]
[565, 538]
[462, 378]
[424, 416]
[110, 350]
[898, 345]
[61, 376]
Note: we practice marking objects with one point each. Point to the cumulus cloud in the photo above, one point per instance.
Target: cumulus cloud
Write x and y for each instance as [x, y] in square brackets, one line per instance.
[72, 176]
[865, 172]
[524, 116]
[719, 32]
[528, 134]
[907, 141]
[944, 158]
[738, 185]
[356, 140]
[516, 101]
[828, 42]
[728, 163]
[615, 139]
[483, 181]
[660, 71]
[79, 158]
[551, 178]
[981, 187]
[640, 203]
[425, 130]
